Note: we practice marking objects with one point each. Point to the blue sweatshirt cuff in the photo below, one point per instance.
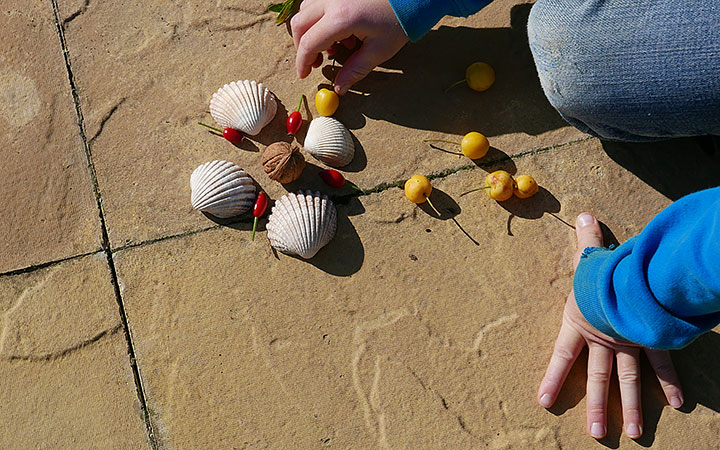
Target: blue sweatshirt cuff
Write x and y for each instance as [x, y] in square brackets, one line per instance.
[660, 289]
[417, 17]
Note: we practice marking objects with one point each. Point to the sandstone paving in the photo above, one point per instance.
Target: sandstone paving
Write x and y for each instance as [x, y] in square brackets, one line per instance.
[145, 72]
[65, 376]
[48, 208]
[403, 332]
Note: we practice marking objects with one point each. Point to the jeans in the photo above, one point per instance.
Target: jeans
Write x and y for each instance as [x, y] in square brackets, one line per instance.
[630, 70]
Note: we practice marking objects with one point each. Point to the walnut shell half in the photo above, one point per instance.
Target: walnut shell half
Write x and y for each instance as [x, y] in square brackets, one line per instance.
[282, 162]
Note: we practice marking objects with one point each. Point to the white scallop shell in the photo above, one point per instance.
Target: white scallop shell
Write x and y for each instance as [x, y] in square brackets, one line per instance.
[329, 141]
[222, 189]
[301, 224]
[243, 105]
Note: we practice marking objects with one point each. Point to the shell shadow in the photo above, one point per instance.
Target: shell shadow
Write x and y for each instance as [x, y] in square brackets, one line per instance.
[344, 254]
[242, 222]
[359, 161]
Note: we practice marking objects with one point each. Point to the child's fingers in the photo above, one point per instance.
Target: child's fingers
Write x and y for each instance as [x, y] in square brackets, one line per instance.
[589, 234]
[600, 362]
[568, 346]
[665, 371]
[318, 38]
[628, 364]
[304, 19]
[361, 63]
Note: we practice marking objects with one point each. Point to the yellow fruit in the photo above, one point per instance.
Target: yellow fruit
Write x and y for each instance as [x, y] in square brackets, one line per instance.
[474, 145]
[525, 186]
[501, 185]
[480, 76]
[326, 102]
[418, 189]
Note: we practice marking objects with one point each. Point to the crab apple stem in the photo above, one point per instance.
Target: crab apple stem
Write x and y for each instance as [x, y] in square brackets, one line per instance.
[455, 84]
[433, 207]
[212, 128]
[254, 226]
[442, 149]
[302, 97]
[474, 190]
[441, 140]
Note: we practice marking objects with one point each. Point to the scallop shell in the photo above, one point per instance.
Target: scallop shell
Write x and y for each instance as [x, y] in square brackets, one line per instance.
[222, 189]
[243, 105]
[301, 224]
[329, 141]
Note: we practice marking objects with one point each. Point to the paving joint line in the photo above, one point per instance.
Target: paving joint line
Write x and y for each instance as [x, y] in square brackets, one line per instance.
[105, 238]
[45, 265]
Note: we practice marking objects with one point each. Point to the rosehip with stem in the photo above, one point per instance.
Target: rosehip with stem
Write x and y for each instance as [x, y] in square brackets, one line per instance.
[295, 120]
[418, 189]
[261, 204]
[231, 134]
[474, 145]
[335, 179]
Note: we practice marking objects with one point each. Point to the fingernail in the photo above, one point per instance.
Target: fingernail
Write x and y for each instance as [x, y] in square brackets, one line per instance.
[546, 400]
[585, 220]
[634, 431]
[676, 401]
[597, 430]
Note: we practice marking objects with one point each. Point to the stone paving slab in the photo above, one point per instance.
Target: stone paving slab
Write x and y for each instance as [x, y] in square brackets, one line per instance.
[65, 377]
[145, 73]
[402, 333]
[48, 208]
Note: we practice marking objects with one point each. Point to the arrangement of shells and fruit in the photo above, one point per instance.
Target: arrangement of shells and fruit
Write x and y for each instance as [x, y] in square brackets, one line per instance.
[302, 223]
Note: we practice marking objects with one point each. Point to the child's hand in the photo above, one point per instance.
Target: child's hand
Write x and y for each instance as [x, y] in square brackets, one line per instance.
[576, 332]
[321, 23]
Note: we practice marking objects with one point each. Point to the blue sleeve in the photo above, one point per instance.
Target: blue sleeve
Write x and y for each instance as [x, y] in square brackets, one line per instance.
[660, 289]
[418, 16]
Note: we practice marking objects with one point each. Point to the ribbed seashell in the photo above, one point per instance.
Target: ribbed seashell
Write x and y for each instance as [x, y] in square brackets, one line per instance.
[301, 224]
[222, 189]
[243, 105]
[329, 141]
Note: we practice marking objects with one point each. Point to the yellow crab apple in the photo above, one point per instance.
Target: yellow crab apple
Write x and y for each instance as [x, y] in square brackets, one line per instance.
[500, 185]
[418, 189]
[525, 186]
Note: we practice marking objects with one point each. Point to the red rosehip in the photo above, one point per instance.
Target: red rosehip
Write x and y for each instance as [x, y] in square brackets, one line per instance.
[333, 178]
[232, 135]
[294, 122]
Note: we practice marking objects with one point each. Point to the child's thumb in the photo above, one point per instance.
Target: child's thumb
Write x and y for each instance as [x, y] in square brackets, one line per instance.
[358, 66]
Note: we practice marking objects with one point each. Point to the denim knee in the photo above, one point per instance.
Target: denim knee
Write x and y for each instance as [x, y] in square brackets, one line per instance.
[555, 49]
[616, 71]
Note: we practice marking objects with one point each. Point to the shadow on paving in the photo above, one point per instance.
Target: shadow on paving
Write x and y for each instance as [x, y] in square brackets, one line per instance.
[674, 167]
[412, 93]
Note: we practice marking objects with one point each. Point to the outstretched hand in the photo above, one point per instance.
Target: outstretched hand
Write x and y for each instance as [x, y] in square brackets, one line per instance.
[576, 333]
[320, 24]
